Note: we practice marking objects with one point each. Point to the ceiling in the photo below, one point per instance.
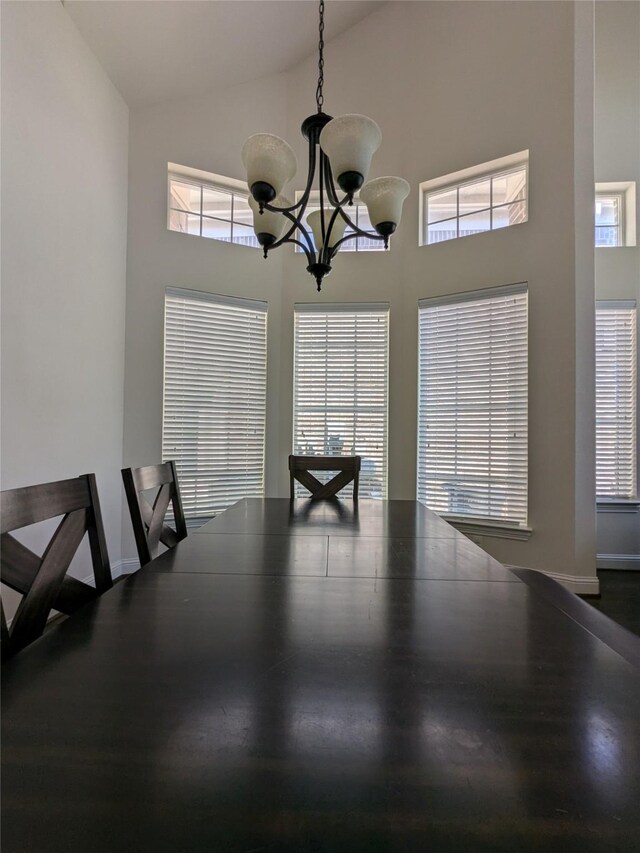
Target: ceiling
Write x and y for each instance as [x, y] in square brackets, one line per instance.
[158, 50]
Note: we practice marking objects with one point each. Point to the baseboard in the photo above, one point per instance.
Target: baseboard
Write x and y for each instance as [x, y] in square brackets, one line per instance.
[119, 569]
[123, 567]
[580, 584]
[591, 619]
[618, 561]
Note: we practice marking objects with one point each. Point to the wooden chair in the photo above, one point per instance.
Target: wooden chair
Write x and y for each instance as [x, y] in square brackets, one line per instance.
[42, 580]
[348, 468]
[148, 520]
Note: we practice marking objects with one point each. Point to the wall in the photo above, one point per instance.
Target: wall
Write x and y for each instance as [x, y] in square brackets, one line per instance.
[451, 85]
[64, 231]
[203, 133]
[617, 158]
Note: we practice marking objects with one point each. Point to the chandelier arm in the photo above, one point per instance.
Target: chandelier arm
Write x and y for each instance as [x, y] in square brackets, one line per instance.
[323, 228]
[310, 255]
[328, 250]
[297, 223]
[371, 235]
[285, 210]
[307, 191]
[331, 189]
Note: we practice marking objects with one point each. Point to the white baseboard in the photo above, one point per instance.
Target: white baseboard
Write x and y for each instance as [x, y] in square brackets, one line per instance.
[122, 568]
[580, 584]
[618, 561]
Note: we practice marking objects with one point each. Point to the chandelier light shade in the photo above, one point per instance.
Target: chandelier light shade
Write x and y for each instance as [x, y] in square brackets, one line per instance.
[269, 225]
[268, 160]
[343, 147]
[350, 142]
[384, 198]
[315, 222]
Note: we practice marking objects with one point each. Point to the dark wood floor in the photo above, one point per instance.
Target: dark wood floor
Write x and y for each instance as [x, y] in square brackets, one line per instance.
[619, 598]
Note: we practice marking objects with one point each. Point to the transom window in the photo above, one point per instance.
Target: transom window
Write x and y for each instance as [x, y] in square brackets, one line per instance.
[616, 404]
[472, 405]
[483, 198]
[211, 206]
[609, 219]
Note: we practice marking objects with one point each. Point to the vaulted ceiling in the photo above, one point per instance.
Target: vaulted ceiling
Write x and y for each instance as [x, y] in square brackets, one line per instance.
[157, 50]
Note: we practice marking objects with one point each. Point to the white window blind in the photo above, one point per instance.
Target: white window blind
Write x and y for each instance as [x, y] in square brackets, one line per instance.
[472, 409]
[616, 406]
[214, 398]
[340, 387]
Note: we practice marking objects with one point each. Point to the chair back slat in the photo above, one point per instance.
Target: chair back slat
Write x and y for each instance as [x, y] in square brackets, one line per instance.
[19, 565]
[42, 581]
[97, 540]
[31, 504]
[33, 611]
[348, 468]
[148, 520]
[152, 476]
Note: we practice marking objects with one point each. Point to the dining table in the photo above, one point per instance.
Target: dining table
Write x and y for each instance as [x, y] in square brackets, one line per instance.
[337, 675]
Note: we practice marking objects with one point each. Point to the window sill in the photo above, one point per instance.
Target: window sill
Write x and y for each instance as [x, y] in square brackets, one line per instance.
[618, 505]
[493, 529]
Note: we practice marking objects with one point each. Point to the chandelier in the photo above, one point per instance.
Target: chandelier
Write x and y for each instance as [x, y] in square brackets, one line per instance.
[340, 146]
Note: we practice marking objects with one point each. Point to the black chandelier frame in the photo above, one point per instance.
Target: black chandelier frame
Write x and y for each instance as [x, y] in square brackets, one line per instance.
[319, 265]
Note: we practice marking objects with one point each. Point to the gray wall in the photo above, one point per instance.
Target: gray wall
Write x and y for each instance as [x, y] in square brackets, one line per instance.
[64, 232]
[617, 158]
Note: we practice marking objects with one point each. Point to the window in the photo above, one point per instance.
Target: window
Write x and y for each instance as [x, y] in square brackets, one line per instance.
[340, 387]
[615, 221]
[609, 219]
[215, 363]
[616, 405]
[210, 205]
[359, 214]
[472, 406]
[482, 198]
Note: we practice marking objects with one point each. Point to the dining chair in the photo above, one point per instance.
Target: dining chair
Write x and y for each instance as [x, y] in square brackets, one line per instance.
[42, 581]
[348, 468]
[148, 519]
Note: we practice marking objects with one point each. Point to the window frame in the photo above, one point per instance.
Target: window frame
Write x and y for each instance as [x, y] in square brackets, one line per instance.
[491, 177]
[259, 410]
[490, 170]
[627, 191]
[497, 526]
[611, 500]
[620, 225]
[216, 183]
[337, 309]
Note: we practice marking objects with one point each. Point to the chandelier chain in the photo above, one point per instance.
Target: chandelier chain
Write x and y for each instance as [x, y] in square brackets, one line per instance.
[319, 95]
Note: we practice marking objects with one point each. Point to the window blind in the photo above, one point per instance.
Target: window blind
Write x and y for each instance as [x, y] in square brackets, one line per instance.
[214, 398]
[616, 406]
[340, 387]
[472, 408]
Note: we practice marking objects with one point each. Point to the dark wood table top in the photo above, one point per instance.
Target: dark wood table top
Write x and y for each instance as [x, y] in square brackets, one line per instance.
[331, 518]
[337, 691]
